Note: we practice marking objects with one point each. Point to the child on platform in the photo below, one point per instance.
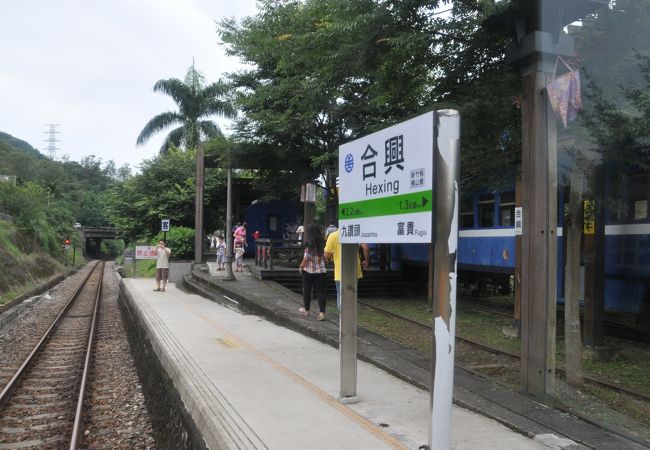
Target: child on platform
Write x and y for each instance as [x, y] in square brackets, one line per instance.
[239, 256]
[221, 252]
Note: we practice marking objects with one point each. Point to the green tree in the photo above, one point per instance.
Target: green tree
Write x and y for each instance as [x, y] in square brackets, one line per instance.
[165, 188]
[196, 101]
[322, 73]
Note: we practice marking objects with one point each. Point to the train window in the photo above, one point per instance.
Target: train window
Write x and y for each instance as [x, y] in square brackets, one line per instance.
[616, 205]
[467, 212]
[507, 209]
[486, 211]
[639, 197]
[273, 222]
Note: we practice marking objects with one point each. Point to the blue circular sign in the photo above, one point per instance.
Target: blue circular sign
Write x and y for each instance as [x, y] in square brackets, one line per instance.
[349, 163]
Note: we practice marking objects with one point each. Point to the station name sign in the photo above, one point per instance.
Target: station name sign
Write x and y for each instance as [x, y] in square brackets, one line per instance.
[386, 193]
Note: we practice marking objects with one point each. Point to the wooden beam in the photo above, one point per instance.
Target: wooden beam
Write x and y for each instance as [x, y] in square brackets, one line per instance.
[539, 240]
[518, 262]
[593, 256]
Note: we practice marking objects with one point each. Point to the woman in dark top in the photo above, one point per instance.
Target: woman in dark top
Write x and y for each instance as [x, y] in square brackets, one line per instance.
[313, 270]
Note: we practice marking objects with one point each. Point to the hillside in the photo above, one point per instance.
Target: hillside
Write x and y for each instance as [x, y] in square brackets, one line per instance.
[21, 270]
[19, 144]
[42, 208]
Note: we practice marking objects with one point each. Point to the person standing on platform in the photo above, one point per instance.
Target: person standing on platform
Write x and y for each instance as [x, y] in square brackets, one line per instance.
[312, 268]
[333, 252]
[300, 231]
[240, 235]
[162, 265]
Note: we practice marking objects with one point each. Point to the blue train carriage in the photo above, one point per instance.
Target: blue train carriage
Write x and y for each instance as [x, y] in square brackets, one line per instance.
[273, 219]
[486, 247]
[627, 244]
[486, 244]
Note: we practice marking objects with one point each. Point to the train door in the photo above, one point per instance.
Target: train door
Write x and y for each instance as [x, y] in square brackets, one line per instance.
[274, 226]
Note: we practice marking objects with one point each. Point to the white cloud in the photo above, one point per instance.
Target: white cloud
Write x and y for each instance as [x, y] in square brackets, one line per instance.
[91, 67]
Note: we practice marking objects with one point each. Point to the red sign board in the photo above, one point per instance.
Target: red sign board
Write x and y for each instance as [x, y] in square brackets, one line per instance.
[146, 252]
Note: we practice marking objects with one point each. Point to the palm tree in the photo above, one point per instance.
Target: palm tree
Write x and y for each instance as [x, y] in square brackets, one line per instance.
[196, 102]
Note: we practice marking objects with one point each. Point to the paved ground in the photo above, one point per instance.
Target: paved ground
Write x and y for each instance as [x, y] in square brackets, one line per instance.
[265, 386]
[556, 428]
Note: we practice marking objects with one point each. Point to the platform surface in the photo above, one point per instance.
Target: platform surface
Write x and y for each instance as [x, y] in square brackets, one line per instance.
[266, 386]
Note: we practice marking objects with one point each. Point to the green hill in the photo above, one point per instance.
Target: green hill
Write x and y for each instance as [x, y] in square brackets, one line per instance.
[19, 144]
[44, 204]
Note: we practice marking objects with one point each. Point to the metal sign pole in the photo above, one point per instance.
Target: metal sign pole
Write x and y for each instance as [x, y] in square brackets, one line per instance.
[445, 223]
[348, 324]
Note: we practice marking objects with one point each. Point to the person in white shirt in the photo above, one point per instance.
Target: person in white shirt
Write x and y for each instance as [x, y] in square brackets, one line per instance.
[162, 265]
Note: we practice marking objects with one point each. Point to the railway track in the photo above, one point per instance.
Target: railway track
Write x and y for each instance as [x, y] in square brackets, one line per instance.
[42, 405]
[588, 379]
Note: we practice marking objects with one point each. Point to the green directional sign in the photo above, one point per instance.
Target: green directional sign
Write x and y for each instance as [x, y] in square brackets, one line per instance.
[386, 206]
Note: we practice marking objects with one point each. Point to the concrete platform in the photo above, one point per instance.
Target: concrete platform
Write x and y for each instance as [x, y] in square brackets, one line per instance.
[250, 383]
[550, 423]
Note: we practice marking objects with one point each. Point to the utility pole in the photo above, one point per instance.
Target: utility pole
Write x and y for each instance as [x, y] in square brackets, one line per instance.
[230, 276]
[51, 140]
[198, 218]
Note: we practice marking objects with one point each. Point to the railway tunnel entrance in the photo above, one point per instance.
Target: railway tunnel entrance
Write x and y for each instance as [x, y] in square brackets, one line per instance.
[93, 238]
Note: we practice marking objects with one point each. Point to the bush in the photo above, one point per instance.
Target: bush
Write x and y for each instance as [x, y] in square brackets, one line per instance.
[181, 241]
[112, 248]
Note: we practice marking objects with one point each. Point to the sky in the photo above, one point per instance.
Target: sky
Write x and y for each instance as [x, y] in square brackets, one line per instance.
[90, 66]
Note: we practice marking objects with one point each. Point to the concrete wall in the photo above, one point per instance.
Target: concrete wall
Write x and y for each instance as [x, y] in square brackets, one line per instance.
[178, 269]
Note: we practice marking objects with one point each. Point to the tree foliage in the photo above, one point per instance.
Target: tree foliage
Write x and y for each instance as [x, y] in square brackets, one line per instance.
[196, 102]
[323, 72]
[614, 49]
[165, 188]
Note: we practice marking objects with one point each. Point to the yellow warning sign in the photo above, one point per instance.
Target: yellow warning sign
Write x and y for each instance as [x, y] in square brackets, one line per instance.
[589, 226]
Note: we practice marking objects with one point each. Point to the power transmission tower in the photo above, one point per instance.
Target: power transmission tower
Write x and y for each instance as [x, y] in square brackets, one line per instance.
[51, 139]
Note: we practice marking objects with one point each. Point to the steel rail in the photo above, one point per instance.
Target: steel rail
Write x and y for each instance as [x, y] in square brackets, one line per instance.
[6, 392]
[587, 378]
[76, 429]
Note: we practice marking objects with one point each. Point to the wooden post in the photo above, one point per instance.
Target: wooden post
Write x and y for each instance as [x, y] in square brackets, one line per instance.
[594, 254]
[518, 262]
[572, 235]
[539, 240]
[198, 210]
[309, 216]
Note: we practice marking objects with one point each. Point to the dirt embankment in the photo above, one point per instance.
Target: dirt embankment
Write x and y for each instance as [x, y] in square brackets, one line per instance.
[23, 264]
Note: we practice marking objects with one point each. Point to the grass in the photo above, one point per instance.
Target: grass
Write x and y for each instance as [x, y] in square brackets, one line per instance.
[12, 294]
[630, 370]
[145, 268]
[16, 292]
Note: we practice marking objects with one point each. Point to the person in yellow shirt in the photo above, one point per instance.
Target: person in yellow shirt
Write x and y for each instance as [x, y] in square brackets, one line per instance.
[333, 253]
